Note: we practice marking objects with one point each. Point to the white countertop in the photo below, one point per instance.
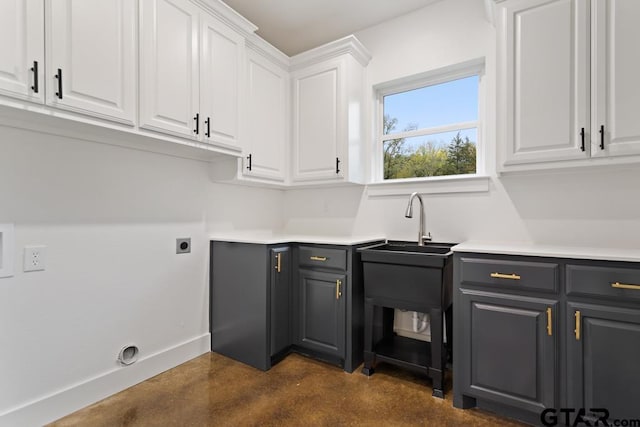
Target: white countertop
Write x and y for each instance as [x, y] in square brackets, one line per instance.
[271, 238]
[532, 249]
[267, 237]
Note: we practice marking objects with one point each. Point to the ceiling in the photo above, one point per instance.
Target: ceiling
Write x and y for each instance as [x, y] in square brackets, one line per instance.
[294, 26]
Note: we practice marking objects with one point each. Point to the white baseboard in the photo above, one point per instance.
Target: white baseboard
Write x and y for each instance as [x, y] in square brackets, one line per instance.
[54, 406]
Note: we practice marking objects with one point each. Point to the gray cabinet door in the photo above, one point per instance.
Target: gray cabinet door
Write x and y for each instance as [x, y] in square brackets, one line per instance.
[322, 312]
[239, 302]
[604, 359]
[280, 299]
[509, 349]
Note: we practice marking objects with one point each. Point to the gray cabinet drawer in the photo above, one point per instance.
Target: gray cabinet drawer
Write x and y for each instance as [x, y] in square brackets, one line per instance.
[507, 274]
[613, 282]
[314, 256]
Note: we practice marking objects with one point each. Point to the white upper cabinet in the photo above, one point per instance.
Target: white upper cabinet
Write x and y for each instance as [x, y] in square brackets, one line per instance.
[318, 122]
[191, 72]
[169, 67]
[615, 90]
[327, 106]
[22, 47]
[265, 138]
[91, 62]
[567, 72]
[221, 74]
[546, 80]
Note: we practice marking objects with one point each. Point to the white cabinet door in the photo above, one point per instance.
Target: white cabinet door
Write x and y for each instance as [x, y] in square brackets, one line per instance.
[265, 135]
[546, 86]
[221, 73]
[169, 100]
[318, 127]
[22, 47]
[91, 62]
[616, 66]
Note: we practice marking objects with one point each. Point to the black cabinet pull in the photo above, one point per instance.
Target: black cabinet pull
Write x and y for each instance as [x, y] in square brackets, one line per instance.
[35, 77]
[602, 137]
[582, 136]
[249, 160]
[208, 131]
[337, 165]
[197, 119]
[59, 77]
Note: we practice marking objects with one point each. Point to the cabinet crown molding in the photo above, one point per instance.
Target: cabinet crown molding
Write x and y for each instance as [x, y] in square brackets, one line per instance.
[227, 15]
[346, 45]
[264, 48]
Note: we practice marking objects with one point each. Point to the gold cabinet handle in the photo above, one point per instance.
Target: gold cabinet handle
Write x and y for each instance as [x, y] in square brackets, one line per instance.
[577, 329]
[338, 291]
[619, 285]
[512, 276]
[278, 262]
[549, 322]
[318, 258]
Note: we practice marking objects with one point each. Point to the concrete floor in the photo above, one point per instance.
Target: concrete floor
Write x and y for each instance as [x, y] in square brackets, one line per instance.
[213, 390]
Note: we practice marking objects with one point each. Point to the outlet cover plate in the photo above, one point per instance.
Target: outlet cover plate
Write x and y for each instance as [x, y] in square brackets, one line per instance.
[35, 258]
[183, 245]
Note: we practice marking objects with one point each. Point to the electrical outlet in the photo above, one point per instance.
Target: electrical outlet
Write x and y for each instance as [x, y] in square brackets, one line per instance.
[35, 258]
[183, 245]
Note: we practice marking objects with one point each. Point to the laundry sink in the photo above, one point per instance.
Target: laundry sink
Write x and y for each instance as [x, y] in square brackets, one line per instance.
[407, 276]
[432, 254]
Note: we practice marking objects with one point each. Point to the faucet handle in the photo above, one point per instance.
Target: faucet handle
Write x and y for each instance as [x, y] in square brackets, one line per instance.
[426, 237]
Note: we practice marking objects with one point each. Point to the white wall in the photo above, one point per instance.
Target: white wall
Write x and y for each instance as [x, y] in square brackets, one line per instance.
[596, 207]
[109, 217]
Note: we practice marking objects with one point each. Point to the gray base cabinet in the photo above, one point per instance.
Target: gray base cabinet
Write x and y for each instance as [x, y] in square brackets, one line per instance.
[328, 308]
[269, 300]
[280, 299]
[506, 332]
[603, 337]
[536, 333]
[322, 312]
[604, 359]
[510, 352]
[250, 302]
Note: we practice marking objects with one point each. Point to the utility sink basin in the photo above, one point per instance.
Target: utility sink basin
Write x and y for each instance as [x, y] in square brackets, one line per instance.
[406, 276]
[432, 254]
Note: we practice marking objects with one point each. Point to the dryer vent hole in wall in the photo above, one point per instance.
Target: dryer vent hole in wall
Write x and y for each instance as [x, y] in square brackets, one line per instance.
[128, 355]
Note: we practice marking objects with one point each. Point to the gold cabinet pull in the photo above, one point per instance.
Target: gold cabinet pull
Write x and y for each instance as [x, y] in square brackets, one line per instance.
[577, 329]
[549, 322]
[619, 285]
[318, 258]
[278, 262]
[338, 290]
[512, 276]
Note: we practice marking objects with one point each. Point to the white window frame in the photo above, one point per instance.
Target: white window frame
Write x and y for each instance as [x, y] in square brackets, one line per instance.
[475, 67]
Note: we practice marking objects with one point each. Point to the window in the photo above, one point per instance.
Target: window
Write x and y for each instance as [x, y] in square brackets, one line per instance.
[430, 126]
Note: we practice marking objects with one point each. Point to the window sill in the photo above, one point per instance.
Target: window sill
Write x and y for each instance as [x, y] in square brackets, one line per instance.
[434, 185]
